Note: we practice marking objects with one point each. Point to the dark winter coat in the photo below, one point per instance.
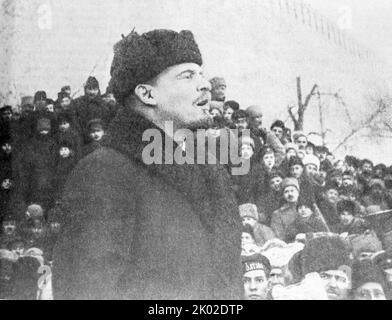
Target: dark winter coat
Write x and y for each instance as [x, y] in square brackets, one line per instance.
[137, 231]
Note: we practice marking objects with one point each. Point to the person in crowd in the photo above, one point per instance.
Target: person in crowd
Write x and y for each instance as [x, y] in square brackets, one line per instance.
[35, 169]
[40, 101]
[291, 151]
[256, 271]
[96, 132]
[383, 262]
[250, 216]
[6, 176]
[272, 200]
[376, 195]
[301, 140]
[329, 256]
[9, 231]
[349, 222]
[379, 171]
[285, 216]
[327, 205]
[368, 282]
[218, 89]
[336, 177]
[278, 128]
[310, 149]
[268, 158]
[68, 134]
[308, 220]
[204, 230]
[365, 174]
[63, 102]
[321, 152]
[215, 110]
[90, 106]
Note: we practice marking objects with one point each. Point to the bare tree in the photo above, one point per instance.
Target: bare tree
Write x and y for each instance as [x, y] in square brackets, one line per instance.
[299, 119]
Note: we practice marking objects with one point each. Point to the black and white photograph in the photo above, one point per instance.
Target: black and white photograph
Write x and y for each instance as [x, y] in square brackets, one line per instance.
[217, 150]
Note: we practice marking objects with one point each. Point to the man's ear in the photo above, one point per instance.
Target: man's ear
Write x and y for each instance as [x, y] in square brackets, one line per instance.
[145, 94]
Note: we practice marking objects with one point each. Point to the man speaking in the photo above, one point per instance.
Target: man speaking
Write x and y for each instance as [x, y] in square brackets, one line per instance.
[159, 231]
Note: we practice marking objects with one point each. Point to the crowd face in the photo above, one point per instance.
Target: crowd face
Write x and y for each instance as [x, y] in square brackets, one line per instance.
[18, 248]
[311, 169]
[6, 147]
[367, 168]
[227, 114]
[377, 191]
[241, 124]
[347, 181]
[65, 102]
[309, 149]
[50, 107]
[97, 134]
[6, 115]
[256, 286]
[269, 160]
[291, 194]
[276, 183]
[337, 284]
[65, 152]
[41, 105]
[332, 195]
[249, 220]
[215, 113]
[218, 93]
[6, 184]
[338, 180]
[301, 142]
[278, 131]
[182, 94]
[64, 126]
[291, 153]
[91, 92]
[346, 218]
[370, 291]
[304, 211]
[296, 171]
[9, 227]
[256, 122]
[246, 151]
[246, 239]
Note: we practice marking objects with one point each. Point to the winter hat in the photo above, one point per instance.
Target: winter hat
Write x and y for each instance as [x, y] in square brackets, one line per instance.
[140, 58]
[335, 173]
[364, 271]
[231, 104]
[35, 211]
[266, 150]
[345, 205]
[239, 114]
[311, 159]
[91, 83]
[278, 123]
[65, 88]
[248, 210]
[61, 95]
[374, 182]
[323, 254]
[287, 182]
[291, 145]
[5, 108]
[275, 173]
[43, 124]
[294, 161]
[39, 96]
[256, 262]
[95, 124]
[217, 81]
[254, 111]
[298, 134]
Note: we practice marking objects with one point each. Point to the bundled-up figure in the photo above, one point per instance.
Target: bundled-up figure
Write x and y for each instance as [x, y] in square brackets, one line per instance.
[6, 177]
[349, 222]
[285, 216]
[309, 220]
[250, 216]
[96, 131]
[36, 169]
[9, 232]
[90, 106]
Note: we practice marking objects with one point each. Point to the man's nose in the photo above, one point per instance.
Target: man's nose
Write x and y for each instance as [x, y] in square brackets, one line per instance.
[204, 85]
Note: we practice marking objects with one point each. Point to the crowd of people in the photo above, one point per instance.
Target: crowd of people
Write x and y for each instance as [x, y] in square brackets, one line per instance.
[310, 221]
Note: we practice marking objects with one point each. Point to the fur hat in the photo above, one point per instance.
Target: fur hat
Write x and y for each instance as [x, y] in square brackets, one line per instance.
[95, 124]
[231, 104]
[323, 254]
[39, 96]
[91, 83]
[294, 161]
[278, 123]
[256, 262]
[287, 182]
[248, 210]
[345, 205]
[217, 81]
[266, 150]
[311, 159]
[275, 173]
[254, 111]
[140, 58]
[364, 271]
[298, 134]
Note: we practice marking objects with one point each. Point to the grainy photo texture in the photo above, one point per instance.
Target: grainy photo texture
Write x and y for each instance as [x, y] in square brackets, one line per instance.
[195, 150]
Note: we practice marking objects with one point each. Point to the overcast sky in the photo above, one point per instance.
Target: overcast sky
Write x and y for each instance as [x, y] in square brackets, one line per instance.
[371, 21]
